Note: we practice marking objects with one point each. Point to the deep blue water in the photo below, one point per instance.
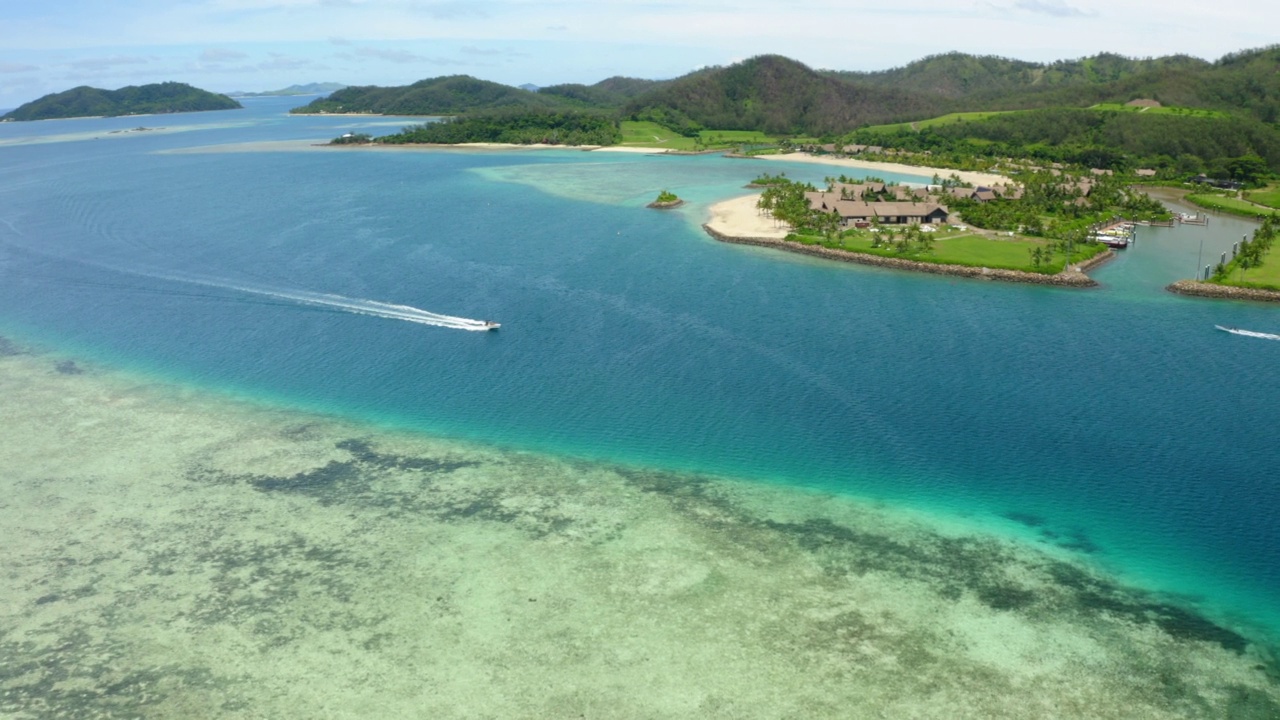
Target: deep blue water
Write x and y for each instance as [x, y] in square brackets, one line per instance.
[1118, 418]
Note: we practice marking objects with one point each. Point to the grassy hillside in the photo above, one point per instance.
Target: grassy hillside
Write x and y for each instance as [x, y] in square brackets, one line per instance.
[84, 101]
[1246, 83]
[778, 96]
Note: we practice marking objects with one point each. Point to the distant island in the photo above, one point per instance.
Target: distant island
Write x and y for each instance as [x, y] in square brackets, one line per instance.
[321, 88]
[85, 101]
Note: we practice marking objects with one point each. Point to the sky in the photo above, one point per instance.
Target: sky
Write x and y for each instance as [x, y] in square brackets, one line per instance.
[252, 45]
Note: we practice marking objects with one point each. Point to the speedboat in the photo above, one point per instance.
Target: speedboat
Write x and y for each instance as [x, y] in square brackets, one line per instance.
[1248, 333]
[490, 325]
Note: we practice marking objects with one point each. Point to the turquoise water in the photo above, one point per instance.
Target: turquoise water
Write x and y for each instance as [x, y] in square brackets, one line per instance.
[1115, 423]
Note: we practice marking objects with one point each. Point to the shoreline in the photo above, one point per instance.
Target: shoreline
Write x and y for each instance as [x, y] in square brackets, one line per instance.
[970, 176]
[1193, 288]
[737, 222]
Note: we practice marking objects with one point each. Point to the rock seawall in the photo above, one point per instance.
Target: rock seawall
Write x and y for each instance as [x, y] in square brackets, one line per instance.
[1222, 292]
[1074, 277]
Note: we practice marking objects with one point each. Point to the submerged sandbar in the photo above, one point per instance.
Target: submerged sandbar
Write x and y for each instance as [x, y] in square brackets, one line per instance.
[171, 553]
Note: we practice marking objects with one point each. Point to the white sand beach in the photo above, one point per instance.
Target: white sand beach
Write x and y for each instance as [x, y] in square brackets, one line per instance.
[738, 217]
[969, 176]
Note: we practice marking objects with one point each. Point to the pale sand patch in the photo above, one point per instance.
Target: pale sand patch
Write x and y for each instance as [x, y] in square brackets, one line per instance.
[173, 554]
[514, 146]
[739, 217]
[976, 178]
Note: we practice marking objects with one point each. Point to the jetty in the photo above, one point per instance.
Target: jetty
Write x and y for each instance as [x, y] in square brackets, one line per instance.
[1116, 234]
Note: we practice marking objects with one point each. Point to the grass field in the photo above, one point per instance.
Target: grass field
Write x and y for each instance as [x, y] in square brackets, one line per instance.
[1163, 110]
[957, 247]
[940, 120]
[1266, 277]
[1269, 196]
[648, 134]
[653, 135]
[1228, 204]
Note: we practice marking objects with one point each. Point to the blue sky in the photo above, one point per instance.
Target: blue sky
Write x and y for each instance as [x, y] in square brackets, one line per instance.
[224, 45]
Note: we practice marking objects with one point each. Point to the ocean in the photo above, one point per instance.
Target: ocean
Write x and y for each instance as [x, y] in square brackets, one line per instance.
[221, 254]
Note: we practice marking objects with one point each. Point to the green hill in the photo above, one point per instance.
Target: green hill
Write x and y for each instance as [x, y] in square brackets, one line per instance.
[1190, 143]
[777, 95]
[1246, 82]
[610, 93]
[84, 101]
[448, 95]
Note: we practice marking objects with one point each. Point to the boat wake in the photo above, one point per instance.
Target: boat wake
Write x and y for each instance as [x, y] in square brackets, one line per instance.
[1248, 333]
[357, 306]
[329, 301]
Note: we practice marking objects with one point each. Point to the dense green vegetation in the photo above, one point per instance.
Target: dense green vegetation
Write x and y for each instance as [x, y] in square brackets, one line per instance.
[1190, 144]
[1054, 206]
[84, 101]
[666, 197]
[523, 127]
[610, 93]
[1249, 268]
[1051, 206]
[1240, 83]
[448, 95]
[774, 95]
[967, 112]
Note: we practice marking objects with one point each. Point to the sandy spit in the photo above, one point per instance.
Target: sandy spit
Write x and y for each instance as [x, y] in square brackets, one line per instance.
[976, 178]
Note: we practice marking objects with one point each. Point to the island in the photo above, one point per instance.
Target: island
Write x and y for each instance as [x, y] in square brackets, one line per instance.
[319, 88]
[666, 200]
[85, 101]
[1043, 229]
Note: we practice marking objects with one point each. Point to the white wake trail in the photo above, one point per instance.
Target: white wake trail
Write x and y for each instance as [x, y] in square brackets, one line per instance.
[358, 306]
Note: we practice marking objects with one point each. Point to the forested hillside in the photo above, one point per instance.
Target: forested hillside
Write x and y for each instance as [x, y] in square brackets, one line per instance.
[85, 101]
[1209, 112]
[1246, 82]
[447, 95]
[1121, 140]
[778, 95]
[516, 126]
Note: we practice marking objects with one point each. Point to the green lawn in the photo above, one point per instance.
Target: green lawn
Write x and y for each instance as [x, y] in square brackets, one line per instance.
[1162, 110]
[653, 135]
[1269, 196]
[954, 247]
[1227, 204]
[649, 134]
[1266, 277]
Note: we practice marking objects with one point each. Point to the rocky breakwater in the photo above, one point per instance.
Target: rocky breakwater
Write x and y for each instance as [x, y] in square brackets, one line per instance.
[1223, 292]
[1072, 277]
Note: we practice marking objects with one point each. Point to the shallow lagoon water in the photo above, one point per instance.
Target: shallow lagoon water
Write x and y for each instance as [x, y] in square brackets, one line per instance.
[1111, 430]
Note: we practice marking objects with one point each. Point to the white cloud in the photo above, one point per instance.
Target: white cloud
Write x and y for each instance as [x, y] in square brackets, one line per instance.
[1054, 8]
[219, 55]
[100, 63]
[16, 68]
